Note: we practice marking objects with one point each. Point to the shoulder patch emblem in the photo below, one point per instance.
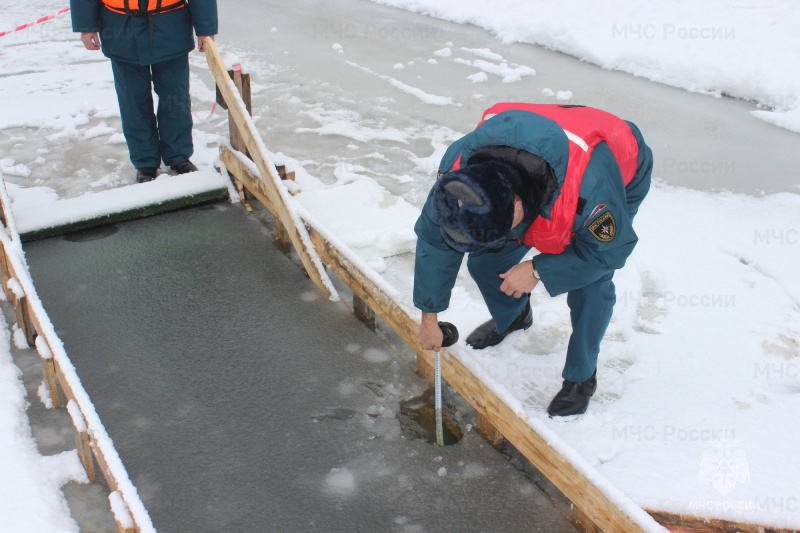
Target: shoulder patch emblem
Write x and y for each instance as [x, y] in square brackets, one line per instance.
[604, 228]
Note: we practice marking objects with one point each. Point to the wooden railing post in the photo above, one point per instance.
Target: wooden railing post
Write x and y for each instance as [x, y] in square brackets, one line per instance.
[49, 370]
[278, 229]
[22, 310]
[82, 439]
[364, 312]
[242, 82]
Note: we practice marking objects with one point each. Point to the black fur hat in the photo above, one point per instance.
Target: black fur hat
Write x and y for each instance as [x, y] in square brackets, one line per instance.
[474, 206]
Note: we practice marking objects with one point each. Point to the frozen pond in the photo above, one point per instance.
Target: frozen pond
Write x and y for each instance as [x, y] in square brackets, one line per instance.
[333, 93]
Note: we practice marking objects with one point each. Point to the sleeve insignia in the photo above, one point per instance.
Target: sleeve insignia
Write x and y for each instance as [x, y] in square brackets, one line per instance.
[595, 211]
[604, 228]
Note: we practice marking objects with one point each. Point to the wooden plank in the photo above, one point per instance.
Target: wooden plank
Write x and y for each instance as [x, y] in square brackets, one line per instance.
[278, 229]
[679, 523]
[297, 233]
[213, 195]
[584, 521]
[122, 515]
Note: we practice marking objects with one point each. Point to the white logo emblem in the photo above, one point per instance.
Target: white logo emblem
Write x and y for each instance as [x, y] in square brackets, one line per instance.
[724, 465]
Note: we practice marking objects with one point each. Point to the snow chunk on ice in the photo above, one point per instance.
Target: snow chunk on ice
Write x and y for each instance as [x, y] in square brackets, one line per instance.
[484, 53]
[8, 168]
[503, 70]
[398, 66]
[99, 130]
[442, 471]
[341, 481]
[376, 355]
[563, 96]
[444, 52]
[787, 119]
[478, 77]
[44, 395]
[116, 138]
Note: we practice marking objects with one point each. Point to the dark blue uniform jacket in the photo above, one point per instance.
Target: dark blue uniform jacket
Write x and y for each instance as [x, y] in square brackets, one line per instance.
[129, 38]
[587, 258]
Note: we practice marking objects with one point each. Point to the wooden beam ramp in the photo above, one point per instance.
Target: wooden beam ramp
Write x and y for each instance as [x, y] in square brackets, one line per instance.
[596, 506]
[120, 204]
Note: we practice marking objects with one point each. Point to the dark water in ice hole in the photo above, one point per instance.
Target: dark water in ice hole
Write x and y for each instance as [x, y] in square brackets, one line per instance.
[417, 418]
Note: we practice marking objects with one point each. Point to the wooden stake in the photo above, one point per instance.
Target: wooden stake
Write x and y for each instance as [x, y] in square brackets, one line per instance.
[278, 229]
[242, 82]
[489, 432]
[363, 312]
[49, 370]
[6, 274]
[82, 439]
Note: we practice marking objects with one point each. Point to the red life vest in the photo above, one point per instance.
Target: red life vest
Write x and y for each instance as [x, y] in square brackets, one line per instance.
[585, 128]
[154, 7]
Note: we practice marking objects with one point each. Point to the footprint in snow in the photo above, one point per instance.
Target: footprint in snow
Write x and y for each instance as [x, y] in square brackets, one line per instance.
[651, 306]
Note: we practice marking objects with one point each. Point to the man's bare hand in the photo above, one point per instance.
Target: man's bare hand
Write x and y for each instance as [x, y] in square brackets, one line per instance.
[518, 280]
[201, 41]
[91, 40]
[430, 334]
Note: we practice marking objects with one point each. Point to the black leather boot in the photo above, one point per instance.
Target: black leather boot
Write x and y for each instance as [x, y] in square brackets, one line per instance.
[486, 334]
[573, 398]
[146, 174]
[184, 168]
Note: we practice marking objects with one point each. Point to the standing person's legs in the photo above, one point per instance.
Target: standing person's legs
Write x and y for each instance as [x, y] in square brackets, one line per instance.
[134, 93]
[171, 83]
[590, 310]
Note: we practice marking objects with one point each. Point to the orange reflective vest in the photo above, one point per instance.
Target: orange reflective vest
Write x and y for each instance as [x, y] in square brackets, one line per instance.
[585, 128]
[154, 7]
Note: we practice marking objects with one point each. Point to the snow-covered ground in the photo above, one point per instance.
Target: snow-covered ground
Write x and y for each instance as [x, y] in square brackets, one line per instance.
[700, 370]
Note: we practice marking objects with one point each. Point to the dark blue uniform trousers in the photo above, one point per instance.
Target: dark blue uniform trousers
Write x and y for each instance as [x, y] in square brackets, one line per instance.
[166, 134]
[590, 307]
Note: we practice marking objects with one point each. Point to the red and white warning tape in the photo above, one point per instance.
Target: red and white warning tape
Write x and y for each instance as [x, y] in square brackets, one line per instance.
[213, 108]
[39, 21]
